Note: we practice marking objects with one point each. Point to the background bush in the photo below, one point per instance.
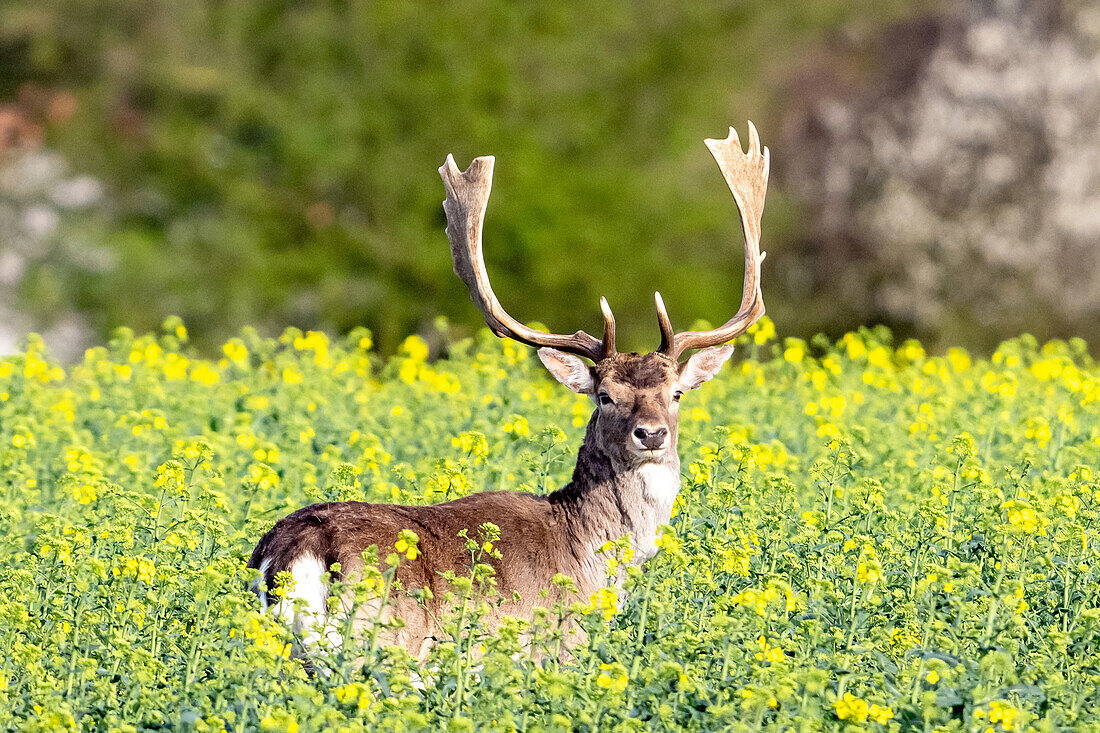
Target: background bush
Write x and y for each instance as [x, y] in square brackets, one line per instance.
[275, 163]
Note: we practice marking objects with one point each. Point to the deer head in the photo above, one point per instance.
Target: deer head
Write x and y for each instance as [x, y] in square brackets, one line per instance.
[637, 396]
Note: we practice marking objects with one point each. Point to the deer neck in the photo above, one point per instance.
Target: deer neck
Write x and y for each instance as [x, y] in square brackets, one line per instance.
[609, 498]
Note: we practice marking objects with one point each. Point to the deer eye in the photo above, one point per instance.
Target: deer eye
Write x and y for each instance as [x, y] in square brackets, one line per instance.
[604, 399]
[677, 395]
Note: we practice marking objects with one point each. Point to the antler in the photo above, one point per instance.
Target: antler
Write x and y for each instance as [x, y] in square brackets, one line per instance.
[467, 197]
[747, 176]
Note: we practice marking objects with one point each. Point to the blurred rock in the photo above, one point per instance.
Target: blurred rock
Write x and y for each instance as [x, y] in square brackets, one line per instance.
[78, 192]
[35, 191]
[955, 189]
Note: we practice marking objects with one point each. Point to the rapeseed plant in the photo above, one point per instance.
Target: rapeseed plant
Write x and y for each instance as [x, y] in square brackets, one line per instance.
[868, 537]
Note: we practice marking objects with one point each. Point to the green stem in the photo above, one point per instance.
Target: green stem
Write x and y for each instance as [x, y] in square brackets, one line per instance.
[855, 607]
[951, 508]
[994, 598]
[193, 652]
[73, 653]
[636, 665]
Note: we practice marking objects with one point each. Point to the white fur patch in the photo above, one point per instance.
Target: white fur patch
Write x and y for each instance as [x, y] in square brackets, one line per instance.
[305, 606]
[660, 485]
[264, 565]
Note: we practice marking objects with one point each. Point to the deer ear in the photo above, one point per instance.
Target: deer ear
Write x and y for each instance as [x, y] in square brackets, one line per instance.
[703, 365]
[569, 370]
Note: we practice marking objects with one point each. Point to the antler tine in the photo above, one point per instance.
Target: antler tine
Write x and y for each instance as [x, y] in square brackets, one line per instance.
[667, 334]
[746, 175]
[467, 199]
[608, 328]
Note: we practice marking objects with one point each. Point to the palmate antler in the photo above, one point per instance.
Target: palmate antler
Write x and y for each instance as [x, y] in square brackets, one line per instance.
[747, 176]
[467, 197]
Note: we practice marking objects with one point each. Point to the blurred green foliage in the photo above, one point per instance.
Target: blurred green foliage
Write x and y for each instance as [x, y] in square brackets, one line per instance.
[274, 163]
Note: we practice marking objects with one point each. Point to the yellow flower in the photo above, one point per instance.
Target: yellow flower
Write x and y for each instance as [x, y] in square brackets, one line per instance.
[291, 375]
[666, 540]
[854, 345]
[699, 471]
[279, 723]
[84, 493]
[263, 476]
[758, 600]
[203, 374]
[606, 601]
[1068, 504]
[850, 707]
[175, 367]
[868, 572]
[762, 331]
[933, 677]
[415, 348]
[612, 677]
[795, 351]
[317, 342]
[473, 444]
[139, 568]
[819, 378]
[260, 630]
[768, 653]
[960, 360]
[518, 426]
[236, 351]
[880, 357]
[737, 560]
[911, 351]
[407, 544]
[409, 371]
[1001, 712]
[1023, 517]
[698, 414]
[881, 714]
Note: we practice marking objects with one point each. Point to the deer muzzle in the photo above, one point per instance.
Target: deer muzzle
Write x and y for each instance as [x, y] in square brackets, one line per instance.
[648, 437]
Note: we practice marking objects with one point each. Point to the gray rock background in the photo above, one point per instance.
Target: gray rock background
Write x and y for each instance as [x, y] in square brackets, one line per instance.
[38, 189]
[955, 191]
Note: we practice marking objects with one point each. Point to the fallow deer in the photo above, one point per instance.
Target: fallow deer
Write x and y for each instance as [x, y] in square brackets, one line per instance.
[627, 474]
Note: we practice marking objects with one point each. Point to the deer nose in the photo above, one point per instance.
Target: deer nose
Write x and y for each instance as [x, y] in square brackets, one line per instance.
[650, 438]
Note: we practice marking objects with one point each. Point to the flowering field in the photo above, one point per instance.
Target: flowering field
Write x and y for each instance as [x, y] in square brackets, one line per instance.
[868, 537]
